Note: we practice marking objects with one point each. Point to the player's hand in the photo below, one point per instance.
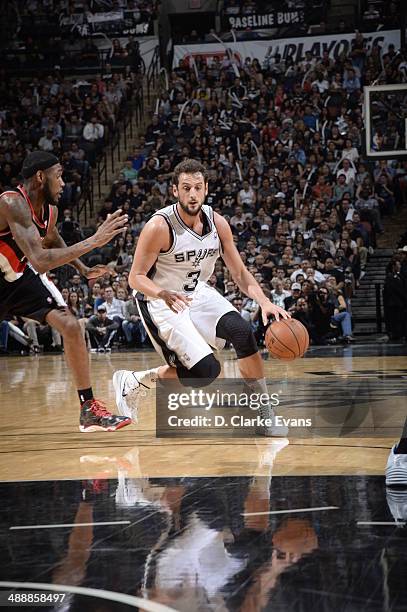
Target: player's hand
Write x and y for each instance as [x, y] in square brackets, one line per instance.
[113, 225]
[175, 300]
[96, 271]
[269, 309]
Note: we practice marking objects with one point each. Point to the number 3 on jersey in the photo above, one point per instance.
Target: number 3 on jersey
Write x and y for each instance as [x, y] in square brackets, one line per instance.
[194, 276]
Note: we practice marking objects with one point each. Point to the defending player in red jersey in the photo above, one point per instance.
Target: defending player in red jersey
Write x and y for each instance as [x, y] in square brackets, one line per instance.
[30, 246]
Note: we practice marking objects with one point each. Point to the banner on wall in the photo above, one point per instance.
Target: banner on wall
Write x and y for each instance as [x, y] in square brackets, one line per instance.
[288, 48]
[113, 23]
[262, 21]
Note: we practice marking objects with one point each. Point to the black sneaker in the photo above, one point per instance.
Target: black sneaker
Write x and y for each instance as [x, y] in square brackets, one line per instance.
[96, 417]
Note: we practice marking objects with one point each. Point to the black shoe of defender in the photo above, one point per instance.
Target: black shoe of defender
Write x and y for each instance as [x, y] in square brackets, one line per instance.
[96, 417]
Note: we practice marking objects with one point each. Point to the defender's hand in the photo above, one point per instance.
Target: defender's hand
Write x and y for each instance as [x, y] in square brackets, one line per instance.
[96, 271]
[113, 225]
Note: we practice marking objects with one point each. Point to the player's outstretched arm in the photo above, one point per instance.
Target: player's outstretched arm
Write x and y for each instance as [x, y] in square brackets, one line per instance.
[54, 240]
[241, 275]
[18, 216]
[154, 238]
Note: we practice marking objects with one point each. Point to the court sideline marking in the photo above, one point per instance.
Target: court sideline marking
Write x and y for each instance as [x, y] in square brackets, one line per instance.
[15, 527]
[393, 523]
[290, 511]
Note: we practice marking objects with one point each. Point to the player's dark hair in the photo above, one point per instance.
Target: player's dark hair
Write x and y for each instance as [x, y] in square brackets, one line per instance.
[189, 166]
[37, 160]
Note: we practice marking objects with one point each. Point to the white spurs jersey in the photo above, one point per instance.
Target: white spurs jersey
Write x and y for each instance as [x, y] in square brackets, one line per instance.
[191, 257]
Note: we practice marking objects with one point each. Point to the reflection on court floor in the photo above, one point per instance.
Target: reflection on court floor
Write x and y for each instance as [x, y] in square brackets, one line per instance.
[212, 523]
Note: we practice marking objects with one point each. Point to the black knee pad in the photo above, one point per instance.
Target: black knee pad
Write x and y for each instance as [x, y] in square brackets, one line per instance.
[233, 328]
[201, 374]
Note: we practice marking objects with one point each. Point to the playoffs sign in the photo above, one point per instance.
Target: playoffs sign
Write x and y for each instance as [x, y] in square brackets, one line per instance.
[288, 48]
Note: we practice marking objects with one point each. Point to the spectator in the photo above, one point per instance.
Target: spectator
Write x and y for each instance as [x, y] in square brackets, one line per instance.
[348, 171]
[328, 312]
[292, 299]
[79, 286]
[128, 172]
[301, 312]
[341, 188]
[246, 197]
[384, 195]
[101, 330]
[351, 82]
[93, 134]
[279, 294]
[395, 302]
[133, 327]
[367, 203]
[11, 329]
[45, 143]
[114, 307]
[4, 329]
[49, 337]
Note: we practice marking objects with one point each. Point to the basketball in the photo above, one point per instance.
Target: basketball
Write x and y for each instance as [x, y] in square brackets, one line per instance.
[286, 339]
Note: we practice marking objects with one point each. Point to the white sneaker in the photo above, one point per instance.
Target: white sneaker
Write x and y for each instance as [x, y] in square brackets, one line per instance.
[128, 391]
[396, 469]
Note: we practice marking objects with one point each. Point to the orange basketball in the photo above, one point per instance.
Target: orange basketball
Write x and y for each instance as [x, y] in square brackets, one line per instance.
[286, 339]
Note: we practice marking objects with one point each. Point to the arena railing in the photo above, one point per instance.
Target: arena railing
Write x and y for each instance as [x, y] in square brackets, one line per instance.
[119, 142]
[117, 146]
[153, 72]
[379, 318]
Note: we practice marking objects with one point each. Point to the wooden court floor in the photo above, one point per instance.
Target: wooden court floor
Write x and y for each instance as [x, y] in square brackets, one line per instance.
[40, 439]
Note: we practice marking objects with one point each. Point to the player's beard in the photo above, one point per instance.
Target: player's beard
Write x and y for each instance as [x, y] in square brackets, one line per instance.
[188, 210]
[48, 197]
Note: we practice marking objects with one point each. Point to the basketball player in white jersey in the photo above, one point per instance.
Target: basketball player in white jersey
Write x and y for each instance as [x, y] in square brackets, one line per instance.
[186, 318]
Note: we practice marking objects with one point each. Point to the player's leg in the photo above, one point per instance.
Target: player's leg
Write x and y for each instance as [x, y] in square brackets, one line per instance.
[175, 338]
[94, 416]
[77, 359]
[219, 322]
[35, 297]
[233, 328]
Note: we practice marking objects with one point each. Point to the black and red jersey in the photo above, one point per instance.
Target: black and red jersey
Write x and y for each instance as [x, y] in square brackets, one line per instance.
[13, 262]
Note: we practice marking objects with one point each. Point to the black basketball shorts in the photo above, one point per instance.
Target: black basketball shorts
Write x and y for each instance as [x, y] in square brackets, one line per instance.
[32, 295]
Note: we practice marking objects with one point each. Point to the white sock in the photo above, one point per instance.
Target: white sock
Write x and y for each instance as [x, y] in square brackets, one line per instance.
[148, 378]
[260, 386]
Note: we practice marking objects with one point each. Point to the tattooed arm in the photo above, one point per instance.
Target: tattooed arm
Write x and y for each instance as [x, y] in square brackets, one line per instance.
[17, 214]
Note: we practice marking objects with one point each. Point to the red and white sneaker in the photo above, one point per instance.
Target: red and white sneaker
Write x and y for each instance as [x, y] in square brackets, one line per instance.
[96, 417]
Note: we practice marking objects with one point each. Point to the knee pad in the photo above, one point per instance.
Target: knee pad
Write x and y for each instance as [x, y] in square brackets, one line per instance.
[233, 328]
[201, 374]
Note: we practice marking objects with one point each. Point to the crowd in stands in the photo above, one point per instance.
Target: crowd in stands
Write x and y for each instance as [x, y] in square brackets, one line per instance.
[284, 153]
[74, 35]
[70, 118]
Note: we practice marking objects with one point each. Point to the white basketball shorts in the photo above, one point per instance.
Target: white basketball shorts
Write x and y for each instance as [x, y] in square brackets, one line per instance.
[186, 337]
